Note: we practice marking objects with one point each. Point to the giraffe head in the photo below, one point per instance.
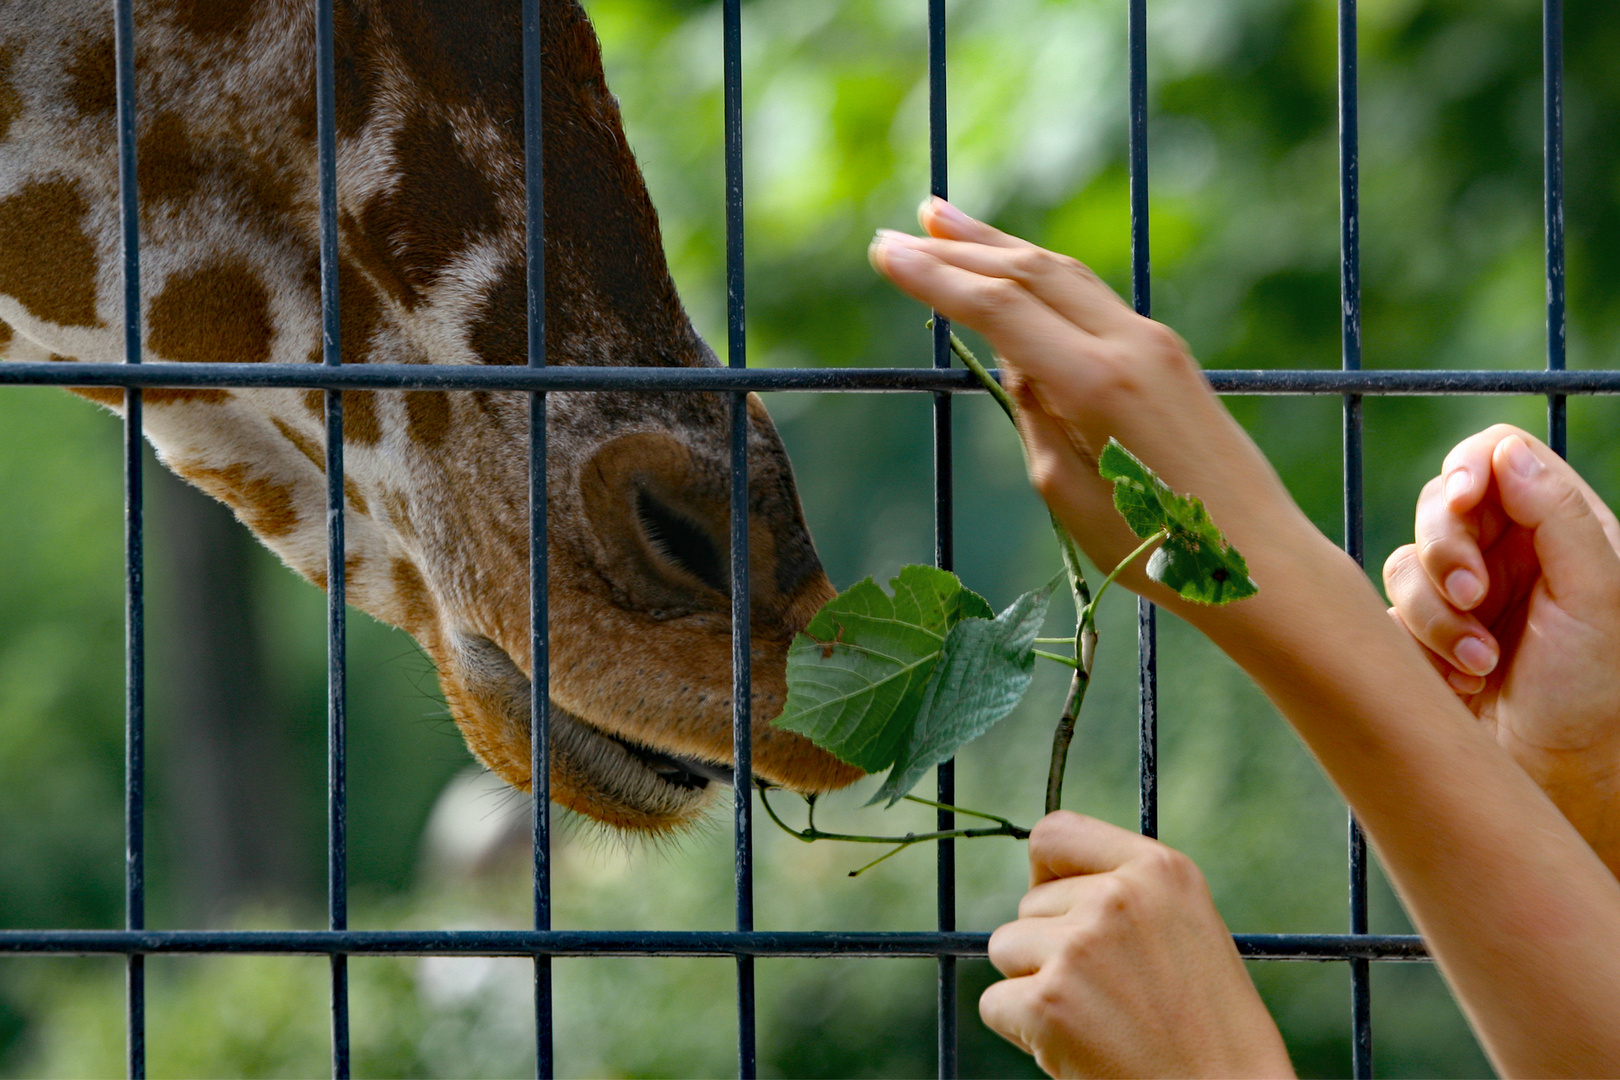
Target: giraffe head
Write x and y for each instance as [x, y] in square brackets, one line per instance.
[432, 271]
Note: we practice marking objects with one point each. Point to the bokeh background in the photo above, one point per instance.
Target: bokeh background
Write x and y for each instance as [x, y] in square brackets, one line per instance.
[1245, 250]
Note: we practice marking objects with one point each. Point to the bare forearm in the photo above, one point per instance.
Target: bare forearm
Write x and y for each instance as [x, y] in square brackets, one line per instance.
[1518, 910]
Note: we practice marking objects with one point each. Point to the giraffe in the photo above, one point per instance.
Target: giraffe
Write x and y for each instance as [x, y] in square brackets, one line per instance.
[431, 221]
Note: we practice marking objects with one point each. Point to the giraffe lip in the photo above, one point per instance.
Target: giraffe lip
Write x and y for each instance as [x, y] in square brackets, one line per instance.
[683, 772]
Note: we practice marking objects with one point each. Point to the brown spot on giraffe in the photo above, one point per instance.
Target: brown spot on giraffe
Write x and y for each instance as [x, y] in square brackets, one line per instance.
[352, 564]
[312, 450]
[167, 160]
[356, 68]
[396, 504]
[5, 334]
[301, 442]
[101, 395]
[153, 395]
[217, 314]
[360, 421]
[263, 505]
[416, 608]
[500, 334]
[163, 395]
[11, 102]
[434, 173]
[50, 262]
[358, 246]
[92, 87]
[359, 310]
[427, 413]
[211, 18]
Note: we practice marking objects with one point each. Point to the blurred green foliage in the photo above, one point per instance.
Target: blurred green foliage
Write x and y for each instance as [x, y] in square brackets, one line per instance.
[1245, 246]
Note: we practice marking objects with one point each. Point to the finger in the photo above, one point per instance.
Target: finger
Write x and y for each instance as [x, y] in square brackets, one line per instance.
[1462, 683]
[1448, 542]
[1022, 947]
[1457, 636]
[1055, 898]
[1475, 455]
[946, 221]
[1004, 1011]
[1578, 561]
[1066, 285]
[1065, 844]
[1019, 326]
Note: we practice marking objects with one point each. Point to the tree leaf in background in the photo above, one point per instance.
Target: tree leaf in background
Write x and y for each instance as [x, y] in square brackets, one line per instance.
[857, 675]
[1195, 560]
[982, 675]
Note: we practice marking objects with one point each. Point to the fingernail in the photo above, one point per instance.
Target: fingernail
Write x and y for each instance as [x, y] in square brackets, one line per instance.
[947, 211]
[1476, 656]
[1521, 459]
[1457, 484]
[1464, 683]
[892, 245]
[1464, 588]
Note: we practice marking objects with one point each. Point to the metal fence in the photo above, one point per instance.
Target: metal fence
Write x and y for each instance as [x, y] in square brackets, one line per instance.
[947, 944]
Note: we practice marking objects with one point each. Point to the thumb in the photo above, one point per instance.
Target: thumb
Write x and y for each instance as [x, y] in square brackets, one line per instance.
[1543, 496]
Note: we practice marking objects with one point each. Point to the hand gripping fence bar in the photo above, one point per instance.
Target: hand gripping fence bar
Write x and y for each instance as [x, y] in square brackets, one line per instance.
[746, 943]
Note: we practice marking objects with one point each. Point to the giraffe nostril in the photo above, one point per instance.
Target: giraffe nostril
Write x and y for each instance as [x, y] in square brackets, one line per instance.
[683, 542]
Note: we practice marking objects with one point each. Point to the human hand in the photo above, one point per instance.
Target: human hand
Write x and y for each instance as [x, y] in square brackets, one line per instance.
[1513, 591]
[1119, 965]
[1083, 367]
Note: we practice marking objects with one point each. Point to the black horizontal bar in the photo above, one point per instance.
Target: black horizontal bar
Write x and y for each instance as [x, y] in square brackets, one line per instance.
[624, 943]
[877, 380]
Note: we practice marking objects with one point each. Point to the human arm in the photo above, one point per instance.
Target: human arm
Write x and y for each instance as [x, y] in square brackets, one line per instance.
[1504, 590]
[1521, 915]
[1119, 965]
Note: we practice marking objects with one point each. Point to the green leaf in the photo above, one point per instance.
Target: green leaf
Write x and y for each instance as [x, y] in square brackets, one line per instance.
[1195, 560]
[857, 675]
[982, 675]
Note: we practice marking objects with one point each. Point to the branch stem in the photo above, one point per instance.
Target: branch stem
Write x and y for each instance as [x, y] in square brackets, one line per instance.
[1066, 661]
[810, 834]
[971, 362]
[1161, 535]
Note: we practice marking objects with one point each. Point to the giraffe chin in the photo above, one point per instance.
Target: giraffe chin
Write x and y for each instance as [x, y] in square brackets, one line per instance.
[618, 781]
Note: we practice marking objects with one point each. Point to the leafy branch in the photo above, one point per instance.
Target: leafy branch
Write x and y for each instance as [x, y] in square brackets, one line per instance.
[902, 679]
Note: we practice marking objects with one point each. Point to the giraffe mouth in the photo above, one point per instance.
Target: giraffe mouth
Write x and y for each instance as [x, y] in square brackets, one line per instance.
[689, 773]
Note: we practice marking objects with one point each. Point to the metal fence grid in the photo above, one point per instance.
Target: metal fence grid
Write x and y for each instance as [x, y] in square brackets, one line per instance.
[1357, 947]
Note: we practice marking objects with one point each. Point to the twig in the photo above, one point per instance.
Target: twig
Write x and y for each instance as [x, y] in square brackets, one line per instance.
[1066, 661]
[1085, 650]
[810, 834]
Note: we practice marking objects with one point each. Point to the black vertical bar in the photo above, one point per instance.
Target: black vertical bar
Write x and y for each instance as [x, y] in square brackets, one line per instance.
[336, 613]
[944, 539]
[1552, 51]
[1147, 637]
[741, 632]
[1350, 308]
[134, 557]
[539, 616]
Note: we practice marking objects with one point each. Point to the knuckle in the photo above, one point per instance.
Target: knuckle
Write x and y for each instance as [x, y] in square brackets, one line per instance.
[1035, 262]
[997, 951]
[996, 297]
[1116, 895]
[1171, 868]
[1163, 343]
[1076, 943]
[1398, 565]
